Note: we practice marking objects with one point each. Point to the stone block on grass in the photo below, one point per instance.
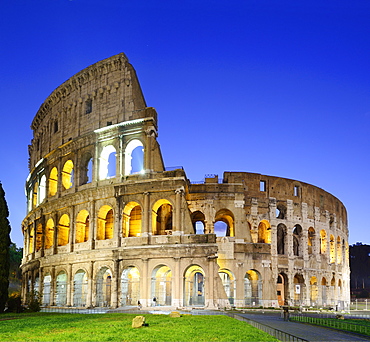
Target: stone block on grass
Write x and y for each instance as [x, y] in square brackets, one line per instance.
[138, 322]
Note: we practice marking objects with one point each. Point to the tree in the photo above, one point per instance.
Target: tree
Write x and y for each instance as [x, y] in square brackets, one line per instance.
[4, 249]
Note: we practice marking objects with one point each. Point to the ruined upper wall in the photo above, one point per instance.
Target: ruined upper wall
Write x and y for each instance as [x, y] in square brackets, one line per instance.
[103, 94]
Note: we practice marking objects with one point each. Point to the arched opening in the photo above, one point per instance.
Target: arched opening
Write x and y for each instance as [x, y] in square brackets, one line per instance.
[63, 230]
[324, 296]
[323, 242]
[332, 291]
[297, 240]
[194, 286]
[280, 211]
[311, 240]
[42, 189]
[103, 287]
[61, 289]
[67, 174]
[38, 237]
[281, 285]
[53, 181]
[86, 169]
[80, 288]
[198, 221]
[134, 157]
[281, 238]
[162, 218]
[49, 233]
[252, 288]
[339, 251]
[224, 223]
[228, 281]
[31, 238]
[82, 226]
[35, 198]
[332, 249]
[298, 289]
[130, 286]
[105, 223]
[314, 291]
[264, 232]
[46, 290]
[132, 220]
[162, 285]
[107, 162]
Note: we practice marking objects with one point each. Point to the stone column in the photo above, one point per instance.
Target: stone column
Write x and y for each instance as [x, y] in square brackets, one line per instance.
[176, 284]
[115, 300]
[92, 227]
[52, 286]
[117, 227]
[89, 299]
[69, 285]
[72, 229]
[55, 238]
[176, 230]
[145, 229]
[146, 293]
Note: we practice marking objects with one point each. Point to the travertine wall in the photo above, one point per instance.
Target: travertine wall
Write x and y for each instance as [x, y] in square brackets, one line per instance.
[107, 225]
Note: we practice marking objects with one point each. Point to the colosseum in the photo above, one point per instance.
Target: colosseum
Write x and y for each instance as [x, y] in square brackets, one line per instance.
[108, 225]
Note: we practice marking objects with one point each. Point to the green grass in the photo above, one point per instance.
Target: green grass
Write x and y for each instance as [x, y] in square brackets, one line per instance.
[117, 327]
[360, 326]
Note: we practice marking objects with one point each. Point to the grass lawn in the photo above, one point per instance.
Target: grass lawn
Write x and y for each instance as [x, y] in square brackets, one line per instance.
[117, 327]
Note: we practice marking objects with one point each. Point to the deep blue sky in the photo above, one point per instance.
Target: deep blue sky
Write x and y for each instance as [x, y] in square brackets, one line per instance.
[275, 87]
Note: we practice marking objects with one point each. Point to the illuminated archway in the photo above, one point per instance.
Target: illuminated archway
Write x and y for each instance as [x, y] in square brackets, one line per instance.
[332, 249]
[53, 181]
[298, 289]
[229, 284]
[61, 289]
[130, 286]
[80, 288]
[252, 288]
[194, 286]
[31, 238]
[35, 198]
[107, 162]
[134, 157]
[49, 233]
[63, 230]
[67, 174]
[105, 223]
[311, 240]
[103, 287]
[227, 227]
[46, 290]
[42, 189]
[264, 232]
[324, 297]
[198, 221]
[162, 285]
[162, 217]
[132, 220]
[339, 251]
[38, 237]
[323, 242]
[314, 291]
[82, 226]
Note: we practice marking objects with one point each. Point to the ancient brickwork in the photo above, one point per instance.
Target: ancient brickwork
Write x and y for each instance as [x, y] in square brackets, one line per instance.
[108, 226]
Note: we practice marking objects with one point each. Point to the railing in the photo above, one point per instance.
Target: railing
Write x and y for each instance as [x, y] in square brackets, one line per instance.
[280, 335]
[75, 310]
[332, 322]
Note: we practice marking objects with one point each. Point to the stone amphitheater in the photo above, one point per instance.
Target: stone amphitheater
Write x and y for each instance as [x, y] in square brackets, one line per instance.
[108, 225]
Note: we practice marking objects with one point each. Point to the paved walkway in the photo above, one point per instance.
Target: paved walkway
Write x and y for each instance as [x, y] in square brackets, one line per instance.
[301, 330]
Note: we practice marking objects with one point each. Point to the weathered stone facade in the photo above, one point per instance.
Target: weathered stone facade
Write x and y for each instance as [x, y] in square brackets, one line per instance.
[108, 225]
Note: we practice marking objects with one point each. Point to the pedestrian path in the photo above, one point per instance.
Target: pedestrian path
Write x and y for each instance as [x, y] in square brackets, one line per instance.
[301, 330]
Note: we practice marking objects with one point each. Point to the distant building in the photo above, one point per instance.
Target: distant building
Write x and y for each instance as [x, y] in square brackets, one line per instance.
[360, 269]
[108, 225]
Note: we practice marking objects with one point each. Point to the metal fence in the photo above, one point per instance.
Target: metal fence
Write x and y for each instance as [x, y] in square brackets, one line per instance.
[280, 335]
[332, 322]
